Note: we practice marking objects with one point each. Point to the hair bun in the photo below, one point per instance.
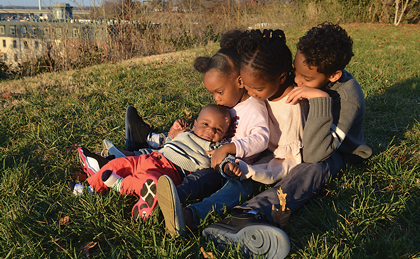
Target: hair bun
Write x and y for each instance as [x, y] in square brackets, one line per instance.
[230, 39]
[201, 64]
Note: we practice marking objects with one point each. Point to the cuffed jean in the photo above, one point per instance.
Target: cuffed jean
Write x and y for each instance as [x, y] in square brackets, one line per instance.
[231, 194]
[300, 184]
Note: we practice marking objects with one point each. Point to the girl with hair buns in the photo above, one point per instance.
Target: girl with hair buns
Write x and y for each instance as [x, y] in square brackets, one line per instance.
[266, 74]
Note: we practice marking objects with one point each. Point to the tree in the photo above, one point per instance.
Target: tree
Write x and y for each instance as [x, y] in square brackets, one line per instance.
[400, 12]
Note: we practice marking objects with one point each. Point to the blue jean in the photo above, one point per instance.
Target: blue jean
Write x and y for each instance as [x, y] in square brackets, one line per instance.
[231, 194]
[200, 184]
[300, 184]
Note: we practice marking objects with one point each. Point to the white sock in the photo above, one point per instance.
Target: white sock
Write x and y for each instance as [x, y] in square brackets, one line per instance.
[153, 140]
[114, 181]
[78, 189]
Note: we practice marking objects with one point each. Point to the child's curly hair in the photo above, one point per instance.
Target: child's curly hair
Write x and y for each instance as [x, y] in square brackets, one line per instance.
[327, 47]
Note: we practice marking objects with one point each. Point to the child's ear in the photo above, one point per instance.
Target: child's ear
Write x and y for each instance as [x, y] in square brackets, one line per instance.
[283, 77]
[240, 82]
[335, 76]
[195, 123]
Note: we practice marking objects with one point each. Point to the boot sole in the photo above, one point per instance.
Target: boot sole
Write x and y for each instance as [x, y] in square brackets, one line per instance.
[147, 201]
[254, 240]
[170, 206]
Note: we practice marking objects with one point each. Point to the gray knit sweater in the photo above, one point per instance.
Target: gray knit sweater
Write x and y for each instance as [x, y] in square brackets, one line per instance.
[336, 122]
[189, 151]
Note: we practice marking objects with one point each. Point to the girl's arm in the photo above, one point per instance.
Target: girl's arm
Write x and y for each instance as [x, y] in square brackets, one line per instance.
[251, 135]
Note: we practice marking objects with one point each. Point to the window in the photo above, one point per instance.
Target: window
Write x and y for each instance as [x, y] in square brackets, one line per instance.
[23, 29]
[46, 31]
[14, 44]
[16, 57]
[36, 45]
[4, 43]
[25, 45]
[35, 29]
[2, 31]
[13, 30]
[75, 33]
[58, 32]
[4, 57]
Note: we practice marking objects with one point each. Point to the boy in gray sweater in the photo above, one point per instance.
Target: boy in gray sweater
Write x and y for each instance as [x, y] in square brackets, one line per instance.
[332, 137]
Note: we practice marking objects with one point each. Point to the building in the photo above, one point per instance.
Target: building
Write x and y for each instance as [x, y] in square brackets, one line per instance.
[26, 40]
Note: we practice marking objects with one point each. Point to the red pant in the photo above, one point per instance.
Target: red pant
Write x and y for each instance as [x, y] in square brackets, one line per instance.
[135, 170]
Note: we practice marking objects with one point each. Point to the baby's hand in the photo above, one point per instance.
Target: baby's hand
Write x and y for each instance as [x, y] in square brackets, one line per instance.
[179, 126]
[298, 93]
[232, 169]
[218, 155]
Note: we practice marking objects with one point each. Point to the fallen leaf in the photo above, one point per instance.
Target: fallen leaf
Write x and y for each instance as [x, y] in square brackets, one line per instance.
[281, 216]
[61, 246]
[86, 247]
[206, 254]
[65, 220]
[188, 114]
[73, 146]
[79, 176]
[6, 95]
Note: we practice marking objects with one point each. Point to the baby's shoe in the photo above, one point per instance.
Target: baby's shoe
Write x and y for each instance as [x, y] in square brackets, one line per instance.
[147, 201]
[90, 162]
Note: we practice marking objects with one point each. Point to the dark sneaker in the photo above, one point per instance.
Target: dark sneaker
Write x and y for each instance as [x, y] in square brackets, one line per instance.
[136, 130]
[147, 201]
[255, 237]
[90, 162]
[170, 206]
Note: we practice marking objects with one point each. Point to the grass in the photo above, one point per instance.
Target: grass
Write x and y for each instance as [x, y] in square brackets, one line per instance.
[371, 211]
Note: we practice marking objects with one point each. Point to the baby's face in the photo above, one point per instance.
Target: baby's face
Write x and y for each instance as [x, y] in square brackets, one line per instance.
[211, 125]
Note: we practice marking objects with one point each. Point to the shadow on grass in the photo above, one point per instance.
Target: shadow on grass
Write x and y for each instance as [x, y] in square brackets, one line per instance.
[372, 210]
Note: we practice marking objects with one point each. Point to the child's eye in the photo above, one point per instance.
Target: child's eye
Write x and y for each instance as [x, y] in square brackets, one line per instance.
[219, 130]
[205, 124]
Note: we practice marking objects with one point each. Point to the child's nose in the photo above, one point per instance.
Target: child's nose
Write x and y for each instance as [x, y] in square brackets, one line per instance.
[297, 80]
[213, 130]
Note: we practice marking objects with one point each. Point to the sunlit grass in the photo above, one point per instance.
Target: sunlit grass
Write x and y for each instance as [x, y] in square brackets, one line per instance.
[370, 211]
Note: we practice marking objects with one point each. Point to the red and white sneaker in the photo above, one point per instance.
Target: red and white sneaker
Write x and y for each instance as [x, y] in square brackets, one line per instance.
[90, 162]
[147, 201]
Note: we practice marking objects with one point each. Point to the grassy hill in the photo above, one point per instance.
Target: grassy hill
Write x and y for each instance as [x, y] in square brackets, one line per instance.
[371, 211]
